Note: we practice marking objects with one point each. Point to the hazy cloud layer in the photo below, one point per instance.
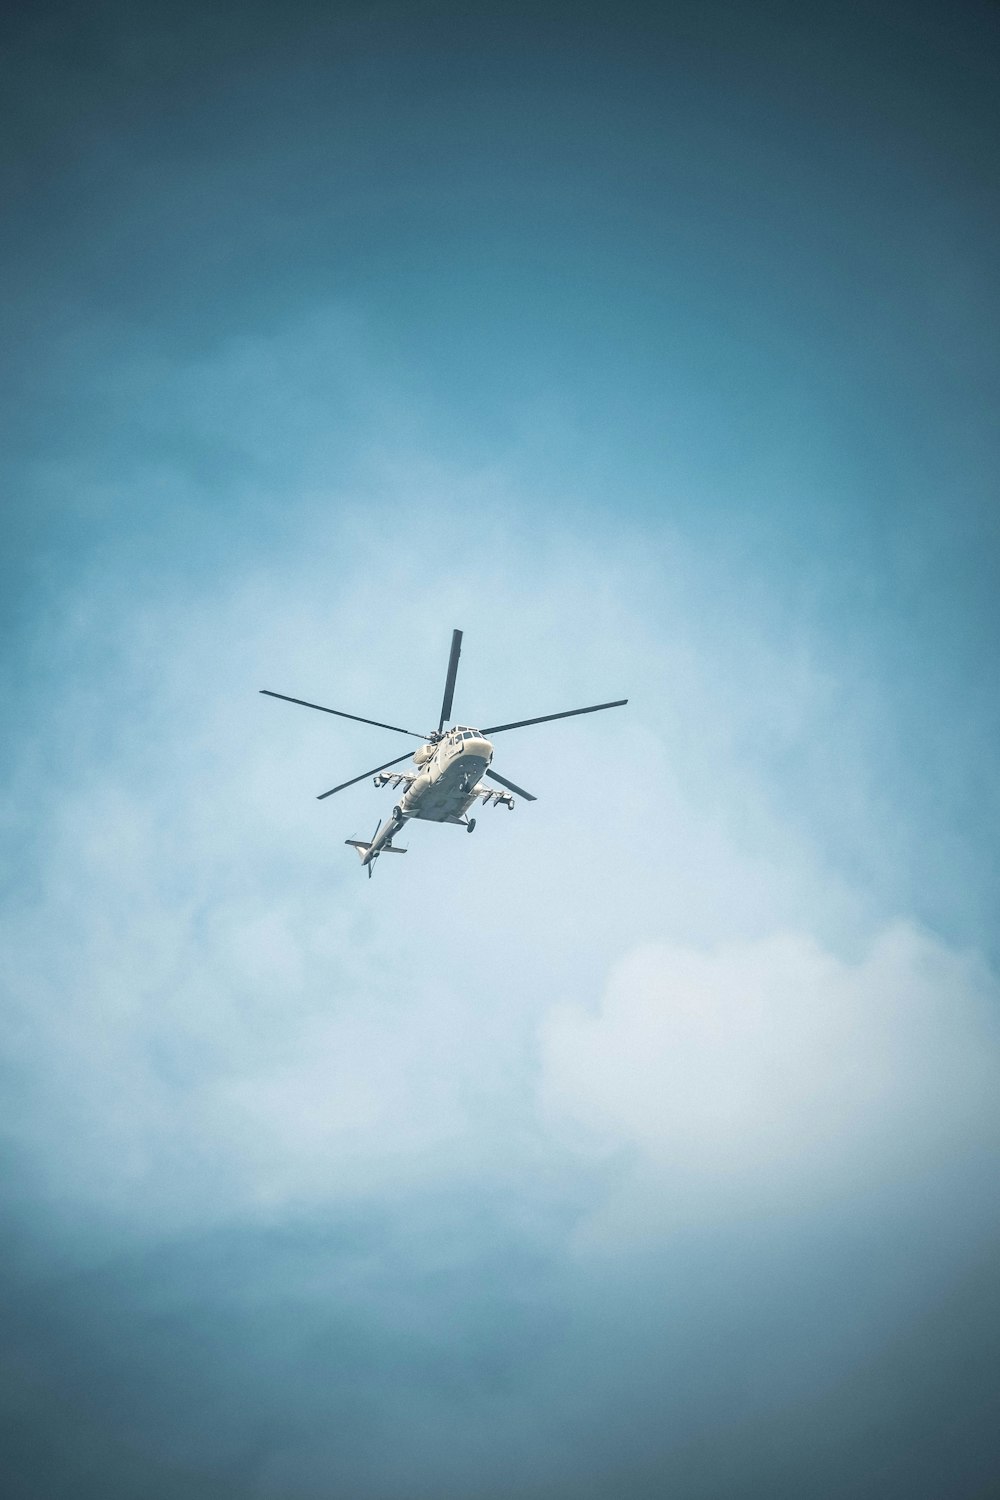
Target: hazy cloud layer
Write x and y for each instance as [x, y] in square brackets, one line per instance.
[502, 1144]
[644, 1142]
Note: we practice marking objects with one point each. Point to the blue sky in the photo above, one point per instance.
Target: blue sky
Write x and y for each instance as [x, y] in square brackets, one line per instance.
[646, 1141]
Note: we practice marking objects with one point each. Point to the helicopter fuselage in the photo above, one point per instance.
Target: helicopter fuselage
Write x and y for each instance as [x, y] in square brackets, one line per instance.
[447, 783]
[444, 787]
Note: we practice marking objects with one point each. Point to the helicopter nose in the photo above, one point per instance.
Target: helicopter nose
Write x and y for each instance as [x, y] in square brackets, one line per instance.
[479, 746]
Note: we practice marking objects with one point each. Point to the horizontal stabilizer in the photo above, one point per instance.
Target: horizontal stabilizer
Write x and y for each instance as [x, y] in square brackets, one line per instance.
[363, 848]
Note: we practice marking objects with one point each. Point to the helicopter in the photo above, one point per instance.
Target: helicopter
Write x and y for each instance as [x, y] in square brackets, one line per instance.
[449, 764]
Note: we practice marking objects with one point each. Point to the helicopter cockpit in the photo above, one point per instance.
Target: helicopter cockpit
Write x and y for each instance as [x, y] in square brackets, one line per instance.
[461, 733]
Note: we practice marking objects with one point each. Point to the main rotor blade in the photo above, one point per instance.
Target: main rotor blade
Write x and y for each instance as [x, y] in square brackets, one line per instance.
[449, 684]
[545, 718]
[373, 772]
[413, 733]
[511, 787]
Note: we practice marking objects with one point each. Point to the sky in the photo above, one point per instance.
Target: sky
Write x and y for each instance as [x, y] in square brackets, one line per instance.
[646, 1142]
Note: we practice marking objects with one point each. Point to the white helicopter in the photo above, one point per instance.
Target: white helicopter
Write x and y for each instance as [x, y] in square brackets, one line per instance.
[449, 764]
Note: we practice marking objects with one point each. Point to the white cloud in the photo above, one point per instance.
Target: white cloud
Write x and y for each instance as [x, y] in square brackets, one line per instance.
[210, 1008]
[773, 1072]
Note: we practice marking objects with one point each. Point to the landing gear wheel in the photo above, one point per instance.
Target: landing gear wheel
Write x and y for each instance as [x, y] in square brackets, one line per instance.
[397, 816]
[470, 825]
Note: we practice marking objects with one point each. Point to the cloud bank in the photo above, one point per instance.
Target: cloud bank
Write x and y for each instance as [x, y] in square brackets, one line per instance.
[774, 1076]
[646, 1141]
